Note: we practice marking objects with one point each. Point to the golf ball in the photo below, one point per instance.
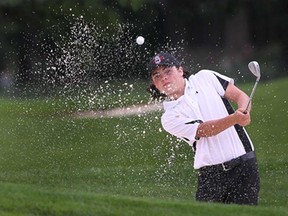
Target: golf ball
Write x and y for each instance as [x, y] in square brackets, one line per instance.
[140, 40]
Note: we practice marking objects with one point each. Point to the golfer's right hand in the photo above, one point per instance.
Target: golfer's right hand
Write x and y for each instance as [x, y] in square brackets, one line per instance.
[241, 118]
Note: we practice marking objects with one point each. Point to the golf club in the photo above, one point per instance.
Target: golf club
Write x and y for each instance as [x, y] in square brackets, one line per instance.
[255, 69]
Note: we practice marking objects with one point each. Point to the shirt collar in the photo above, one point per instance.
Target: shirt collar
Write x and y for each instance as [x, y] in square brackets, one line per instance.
[169, 104]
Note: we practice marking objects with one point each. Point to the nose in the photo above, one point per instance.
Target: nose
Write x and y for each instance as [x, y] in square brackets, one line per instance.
[163, 76]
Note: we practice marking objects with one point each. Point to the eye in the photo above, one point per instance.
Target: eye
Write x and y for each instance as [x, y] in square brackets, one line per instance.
[156, 75]
[167, 71]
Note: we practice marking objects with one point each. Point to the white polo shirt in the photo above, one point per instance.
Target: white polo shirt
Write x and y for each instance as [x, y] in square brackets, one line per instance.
[202, 101]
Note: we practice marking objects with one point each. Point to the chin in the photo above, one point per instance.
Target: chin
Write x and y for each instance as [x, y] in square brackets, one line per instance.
[169, 93]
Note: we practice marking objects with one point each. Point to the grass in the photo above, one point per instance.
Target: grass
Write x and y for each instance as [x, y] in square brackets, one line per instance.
[52, 164]
[16, 201]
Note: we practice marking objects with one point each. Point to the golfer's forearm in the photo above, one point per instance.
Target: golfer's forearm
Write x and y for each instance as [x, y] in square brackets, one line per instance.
[243, 101]
[237, 96]
[214, 127]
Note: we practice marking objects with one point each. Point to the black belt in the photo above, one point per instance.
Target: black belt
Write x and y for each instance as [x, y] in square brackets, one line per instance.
[230, 164]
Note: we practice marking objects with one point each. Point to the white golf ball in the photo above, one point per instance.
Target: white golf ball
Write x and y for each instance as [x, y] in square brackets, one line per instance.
[140, 40]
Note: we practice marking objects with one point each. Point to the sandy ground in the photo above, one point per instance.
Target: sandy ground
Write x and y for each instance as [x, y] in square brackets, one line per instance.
[141, 109]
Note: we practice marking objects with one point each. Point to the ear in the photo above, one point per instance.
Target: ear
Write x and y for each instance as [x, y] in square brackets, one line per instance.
[181, 71]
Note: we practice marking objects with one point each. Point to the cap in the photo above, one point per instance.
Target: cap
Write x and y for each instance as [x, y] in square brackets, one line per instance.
[163, 59]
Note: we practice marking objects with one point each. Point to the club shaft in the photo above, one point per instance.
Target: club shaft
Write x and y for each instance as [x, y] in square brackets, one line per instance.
[251, 95]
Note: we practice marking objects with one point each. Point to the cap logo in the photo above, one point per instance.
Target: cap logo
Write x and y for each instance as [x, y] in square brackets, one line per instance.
[158, 59]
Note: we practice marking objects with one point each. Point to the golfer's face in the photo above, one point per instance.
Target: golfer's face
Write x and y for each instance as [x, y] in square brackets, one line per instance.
[168, 80]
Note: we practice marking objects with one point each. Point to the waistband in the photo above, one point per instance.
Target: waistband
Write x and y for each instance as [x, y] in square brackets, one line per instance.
[228, 165]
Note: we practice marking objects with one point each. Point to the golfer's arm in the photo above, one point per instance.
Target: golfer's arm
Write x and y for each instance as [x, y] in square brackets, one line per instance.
[237, 96]
[214, 127]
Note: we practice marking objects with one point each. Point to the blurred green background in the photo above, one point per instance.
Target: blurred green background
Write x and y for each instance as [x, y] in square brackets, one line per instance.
[220, 35]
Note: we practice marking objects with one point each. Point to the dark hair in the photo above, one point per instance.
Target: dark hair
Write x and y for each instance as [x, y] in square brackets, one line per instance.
[156, 95]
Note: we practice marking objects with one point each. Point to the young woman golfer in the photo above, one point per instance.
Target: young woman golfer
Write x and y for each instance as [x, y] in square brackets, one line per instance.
[197, 109]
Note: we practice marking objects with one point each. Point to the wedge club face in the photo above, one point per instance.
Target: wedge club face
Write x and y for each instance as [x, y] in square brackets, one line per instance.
[255, 69]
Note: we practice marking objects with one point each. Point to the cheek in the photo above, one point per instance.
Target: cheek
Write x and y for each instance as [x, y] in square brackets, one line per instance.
[157, 84]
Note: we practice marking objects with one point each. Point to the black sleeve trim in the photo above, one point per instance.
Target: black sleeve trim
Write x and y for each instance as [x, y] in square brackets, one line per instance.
[223, 82]
[195, 121]
[193, 145]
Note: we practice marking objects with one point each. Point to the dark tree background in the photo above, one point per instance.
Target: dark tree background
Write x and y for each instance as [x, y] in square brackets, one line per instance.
[221, 35]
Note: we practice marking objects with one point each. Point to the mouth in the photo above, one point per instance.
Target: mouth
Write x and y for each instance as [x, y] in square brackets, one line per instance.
[167, 85]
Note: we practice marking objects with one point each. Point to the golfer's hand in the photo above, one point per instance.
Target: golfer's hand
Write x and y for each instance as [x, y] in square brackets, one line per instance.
[241, 118]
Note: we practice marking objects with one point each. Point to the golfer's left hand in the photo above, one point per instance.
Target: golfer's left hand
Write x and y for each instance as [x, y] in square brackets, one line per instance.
[242, 118]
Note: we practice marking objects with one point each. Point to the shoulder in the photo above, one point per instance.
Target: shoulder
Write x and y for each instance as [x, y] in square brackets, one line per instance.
[171, 112]
[168, 107]
[167, 118]
[203, 74]
[210, 75]
[207, 73]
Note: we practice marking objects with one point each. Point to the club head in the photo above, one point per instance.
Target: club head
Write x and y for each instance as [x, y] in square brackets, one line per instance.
[255, 69]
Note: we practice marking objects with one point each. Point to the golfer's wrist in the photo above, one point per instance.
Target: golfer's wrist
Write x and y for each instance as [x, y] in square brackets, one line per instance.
[234, 119]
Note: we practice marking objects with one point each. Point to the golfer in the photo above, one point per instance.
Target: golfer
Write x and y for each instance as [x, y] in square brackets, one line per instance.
[197, 110]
